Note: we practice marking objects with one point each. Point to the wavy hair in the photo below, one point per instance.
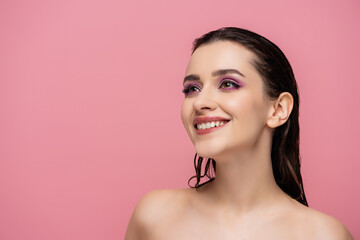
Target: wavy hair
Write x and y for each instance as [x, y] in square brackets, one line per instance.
[278, 77]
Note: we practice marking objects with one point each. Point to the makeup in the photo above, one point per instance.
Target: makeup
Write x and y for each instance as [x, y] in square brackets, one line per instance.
[190, 88]
[204, 125]
[225, 83]
[229, 83]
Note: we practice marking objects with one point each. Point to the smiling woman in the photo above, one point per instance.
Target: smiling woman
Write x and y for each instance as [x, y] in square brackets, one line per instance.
[241, 111]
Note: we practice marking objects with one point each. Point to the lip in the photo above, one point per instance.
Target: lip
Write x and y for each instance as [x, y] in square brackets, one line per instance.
[204, 119]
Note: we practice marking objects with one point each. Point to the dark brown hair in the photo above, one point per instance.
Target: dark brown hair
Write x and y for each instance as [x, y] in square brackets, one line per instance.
[278, 77]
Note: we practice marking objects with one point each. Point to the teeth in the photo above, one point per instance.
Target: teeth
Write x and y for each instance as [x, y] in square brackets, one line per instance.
[209, 125]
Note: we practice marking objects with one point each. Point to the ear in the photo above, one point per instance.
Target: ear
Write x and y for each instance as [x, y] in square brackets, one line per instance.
[280, 110]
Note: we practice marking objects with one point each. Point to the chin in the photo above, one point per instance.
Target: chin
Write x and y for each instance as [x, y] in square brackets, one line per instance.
[209, 150]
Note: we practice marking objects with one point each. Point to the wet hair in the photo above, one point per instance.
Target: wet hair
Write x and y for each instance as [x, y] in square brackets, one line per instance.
[278, 77]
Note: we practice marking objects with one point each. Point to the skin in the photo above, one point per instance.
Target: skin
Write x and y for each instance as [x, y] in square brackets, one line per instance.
[244, 201]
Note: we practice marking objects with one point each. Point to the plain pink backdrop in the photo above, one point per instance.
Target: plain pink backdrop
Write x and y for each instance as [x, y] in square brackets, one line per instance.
[90, 98]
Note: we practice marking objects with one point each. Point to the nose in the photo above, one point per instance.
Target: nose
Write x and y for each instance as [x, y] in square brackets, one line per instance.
[204, 101]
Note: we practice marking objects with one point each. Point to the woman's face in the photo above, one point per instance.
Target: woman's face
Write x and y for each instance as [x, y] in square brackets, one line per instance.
[225, 110]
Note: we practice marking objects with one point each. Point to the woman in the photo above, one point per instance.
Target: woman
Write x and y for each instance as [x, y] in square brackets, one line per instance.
[241, 112]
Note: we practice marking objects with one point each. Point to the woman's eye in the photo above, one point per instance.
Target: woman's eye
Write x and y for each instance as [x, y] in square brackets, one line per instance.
[229, 85]
[190, 89]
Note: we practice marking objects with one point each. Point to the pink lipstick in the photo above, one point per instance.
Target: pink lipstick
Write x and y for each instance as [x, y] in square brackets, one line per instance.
[205, 125]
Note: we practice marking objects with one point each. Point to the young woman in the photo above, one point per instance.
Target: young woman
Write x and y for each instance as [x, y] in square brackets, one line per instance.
[241, 112]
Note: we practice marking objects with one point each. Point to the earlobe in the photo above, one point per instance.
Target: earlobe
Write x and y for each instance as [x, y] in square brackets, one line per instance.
[280, 110]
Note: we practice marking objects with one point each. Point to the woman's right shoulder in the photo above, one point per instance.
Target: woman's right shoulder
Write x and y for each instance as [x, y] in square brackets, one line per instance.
[155, 207]
[161, 203]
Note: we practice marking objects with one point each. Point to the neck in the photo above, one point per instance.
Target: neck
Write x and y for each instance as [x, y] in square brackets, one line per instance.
[245, 179]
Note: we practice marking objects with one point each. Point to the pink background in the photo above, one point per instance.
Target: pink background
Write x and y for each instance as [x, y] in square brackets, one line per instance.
[90, 97]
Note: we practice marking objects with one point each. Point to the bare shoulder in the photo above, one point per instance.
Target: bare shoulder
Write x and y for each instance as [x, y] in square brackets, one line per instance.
[329, 227]
[160, 203]
[323, 226]
[155, 207]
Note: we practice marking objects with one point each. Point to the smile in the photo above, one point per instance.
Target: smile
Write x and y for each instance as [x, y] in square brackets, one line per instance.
[208, 125]
[205, 125]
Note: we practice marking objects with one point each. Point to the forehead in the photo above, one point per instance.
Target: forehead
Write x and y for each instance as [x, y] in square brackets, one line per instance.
[220, 55]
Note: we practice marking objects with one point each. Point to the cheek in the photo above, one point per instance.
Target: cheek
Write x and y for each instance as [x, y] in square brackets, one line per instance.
[247, 109]
[239, 106]
[185, 114]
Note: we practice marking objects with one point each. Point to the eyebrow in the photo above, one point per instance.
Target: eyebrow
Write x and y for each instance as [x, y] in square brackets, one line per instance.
[221, 72]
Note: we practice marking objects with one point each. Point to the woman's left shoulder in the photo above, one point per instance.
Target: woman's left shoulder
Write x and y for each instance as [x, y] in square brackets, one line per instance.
[323, 226]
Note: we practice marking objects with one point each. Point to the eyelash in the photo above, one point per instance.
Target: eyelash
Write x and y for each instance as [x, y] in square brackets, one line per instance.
[190, 88]
[235, 85]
